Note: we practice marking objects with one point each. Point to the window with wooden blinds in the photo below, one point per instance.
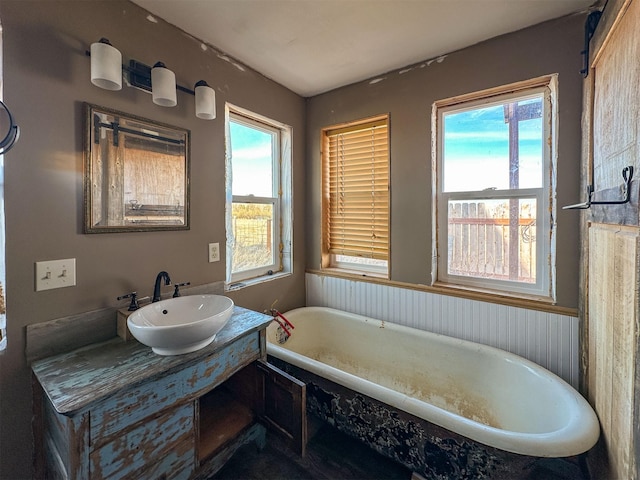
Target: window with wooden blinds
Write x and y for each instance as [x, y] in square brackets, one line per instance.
[356, 192]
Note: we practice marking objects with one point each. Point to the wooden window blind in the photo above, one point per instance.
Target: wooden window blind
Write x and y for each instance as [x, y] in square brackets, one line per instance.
[356, 189]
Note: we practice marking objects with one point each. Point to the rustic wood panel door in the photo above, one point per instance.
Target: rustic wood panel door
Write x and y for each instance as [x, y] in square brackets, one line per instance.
[612, 108]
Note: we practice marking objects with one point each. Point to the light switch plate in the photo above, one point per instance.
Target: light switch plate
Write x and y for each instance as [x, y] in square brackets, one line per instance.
[55, 274]
[214, 252]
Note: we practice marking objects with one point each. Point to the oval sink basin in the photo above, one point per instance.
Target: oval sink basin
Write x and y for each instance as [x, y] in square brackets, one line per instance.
[182, 324]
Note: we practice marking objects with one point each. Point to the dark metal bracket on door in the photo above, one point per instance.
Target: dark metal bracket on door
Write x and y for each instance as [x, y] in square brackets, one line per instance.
[627, 175]
[589, 29]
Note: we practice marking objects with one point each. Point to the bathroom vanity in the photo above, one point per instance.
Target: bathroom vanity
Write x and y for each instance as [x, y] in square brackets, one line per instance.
[116, 409]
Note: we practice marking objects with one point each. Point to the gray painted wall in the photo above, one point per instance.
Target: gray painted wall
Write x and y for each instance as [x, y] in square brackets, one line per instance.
[408, 94]
[46, 79]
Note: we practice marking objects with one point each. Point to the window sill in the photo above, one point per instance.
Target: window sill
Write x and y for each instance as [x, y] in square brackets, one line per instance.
[345, 272]
[490, 296]
[239, 285]
[484, 292]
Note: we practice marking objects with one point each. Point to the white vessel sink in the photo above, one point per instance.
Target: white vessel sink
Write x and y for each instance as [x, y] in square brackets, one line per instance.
[182, 324]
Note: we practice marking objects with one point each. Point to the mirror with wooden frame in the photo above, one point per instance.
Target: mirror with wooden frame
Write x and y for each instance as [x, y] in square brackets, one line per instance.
[136, 173]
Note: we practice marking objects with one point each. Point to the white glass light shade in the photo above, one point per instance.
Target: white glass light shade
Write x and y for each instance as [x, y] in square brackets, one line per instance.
[106, 66]
[205, 101]
[163, 86]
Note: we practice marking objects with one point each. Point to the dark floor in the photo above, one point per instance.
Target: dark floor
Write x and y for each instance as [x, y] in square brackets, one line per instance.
[331, 455]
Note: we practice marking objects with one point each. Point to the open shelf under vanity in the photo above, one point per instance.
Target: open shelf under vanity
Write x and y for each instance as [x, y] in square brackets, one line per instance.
[222, 419]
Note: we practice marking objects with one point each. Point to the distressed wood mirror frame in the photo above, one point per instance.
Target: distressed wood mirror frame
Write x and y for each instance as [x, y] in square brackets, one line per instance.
[136, 173]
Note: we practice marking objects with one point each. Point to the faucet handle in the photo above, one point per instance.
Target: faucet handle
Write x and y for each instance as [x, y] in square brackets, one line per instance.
[176, 292]
[134, 300]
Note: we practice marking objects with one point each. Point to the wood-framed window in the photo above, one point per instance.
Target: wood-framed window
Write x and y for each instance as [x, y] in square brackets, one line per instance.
[259, 198]
[494, 189]
[355, 207]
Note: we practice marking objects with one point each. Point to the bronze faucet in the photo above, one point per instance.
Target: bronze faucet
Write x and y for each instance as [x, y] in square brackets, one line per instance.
[156, 288]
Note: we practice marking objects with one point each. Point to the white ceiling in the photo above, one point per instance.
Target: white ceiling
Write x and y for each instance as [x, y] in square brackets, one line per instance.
[312, 46]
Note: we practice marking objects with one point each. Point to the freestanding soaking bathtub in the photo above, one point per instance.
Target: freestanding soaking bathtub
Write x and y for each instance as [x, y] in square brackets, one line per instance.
[462, 398]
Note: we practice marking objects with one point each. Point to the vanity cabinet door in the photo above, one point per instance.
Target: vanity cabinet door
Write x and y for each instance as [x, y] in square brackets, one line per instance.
[283, 404]
[163, 444]
[275, 398]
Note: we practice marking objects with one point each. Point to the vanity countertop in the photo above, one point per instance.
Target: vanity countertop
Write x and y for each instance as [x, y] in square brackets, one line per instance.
[78, 378]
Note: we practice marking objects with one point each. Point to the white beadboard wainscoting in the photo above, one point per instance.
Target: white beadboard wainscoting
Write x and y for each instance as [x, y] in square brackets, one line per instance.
[548, 339]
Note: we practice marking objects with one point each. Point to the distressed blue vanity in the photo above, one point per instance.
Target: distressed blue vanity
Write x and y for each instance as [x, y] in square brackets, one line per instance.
[116, 409]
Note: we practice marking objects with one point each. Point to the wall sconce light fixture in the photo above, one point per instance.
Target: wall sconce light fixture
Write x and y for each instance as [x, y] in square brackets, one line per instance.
[163, 86]
[107, 68]
[205, 101]
[106, 65]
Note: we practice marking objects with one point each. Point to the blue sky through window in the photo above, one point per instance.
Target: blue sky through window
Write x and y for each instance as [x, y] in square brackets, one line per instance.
[476, 150]
[251, 151]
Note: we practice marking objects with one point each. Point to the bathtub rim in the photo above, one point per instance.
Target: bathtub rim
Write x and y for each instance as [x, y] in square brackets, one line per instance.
[579, 434]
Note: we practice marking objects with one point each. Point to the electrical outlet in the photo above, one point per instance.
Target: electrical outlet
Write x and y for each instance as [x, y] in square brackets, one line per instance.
[214, 252]
[55, 274]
